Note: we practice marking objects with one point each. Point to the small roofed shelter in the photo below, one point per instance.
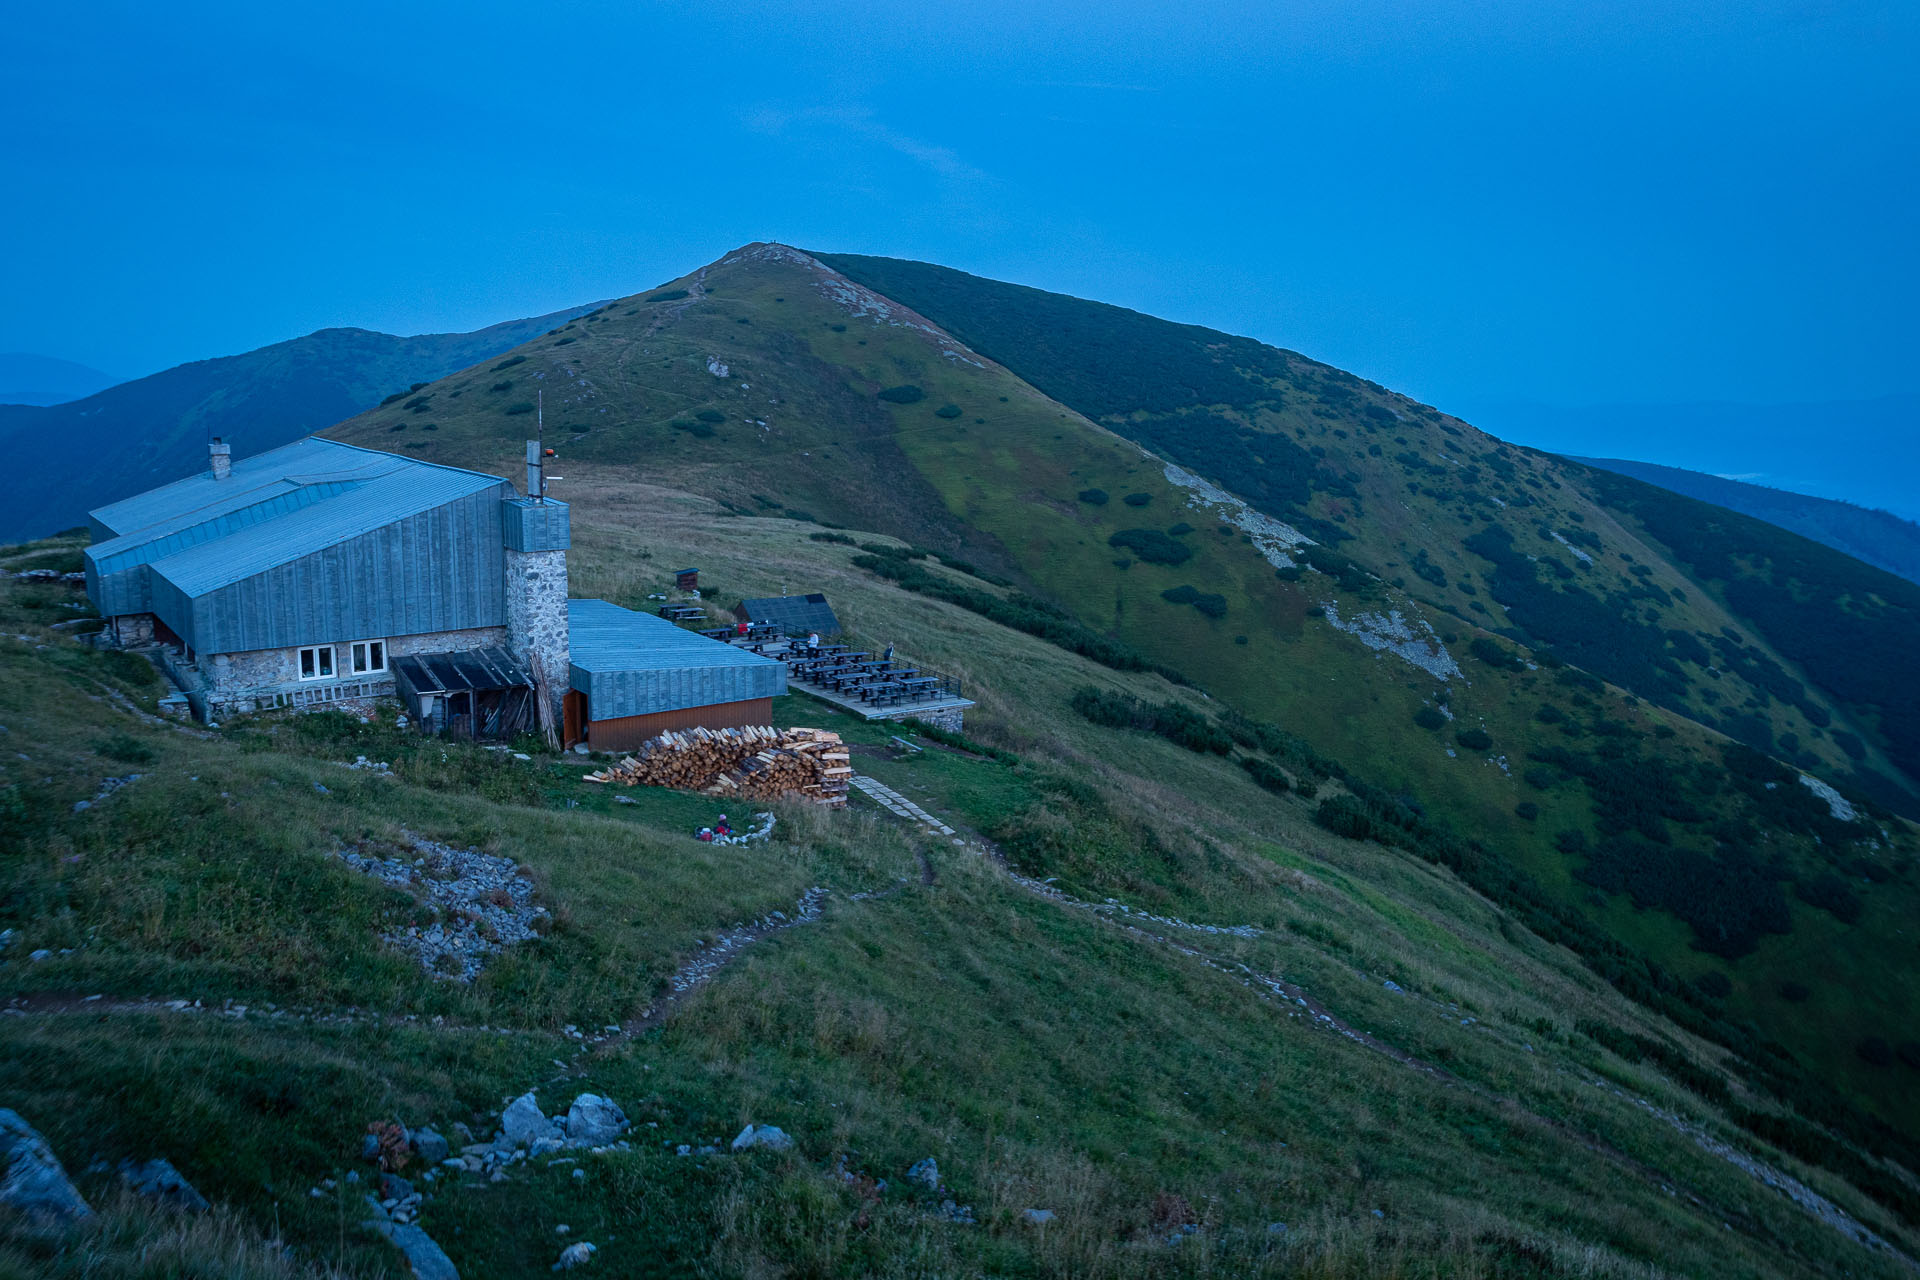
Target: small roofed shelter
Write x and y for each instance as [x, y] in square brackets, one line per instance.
[474, 693]
[636, 676]
[686, 579]
[793, 615]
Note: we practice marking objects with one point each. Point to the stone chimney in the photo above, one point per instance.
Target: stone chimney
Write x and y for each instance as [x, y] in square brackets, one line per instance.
[537, 534]
[220, 453]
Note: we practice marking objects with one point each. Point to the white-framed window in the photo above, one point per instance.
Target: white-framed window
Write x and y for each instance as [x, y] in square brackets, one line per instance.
[316, 662]
[369, 656]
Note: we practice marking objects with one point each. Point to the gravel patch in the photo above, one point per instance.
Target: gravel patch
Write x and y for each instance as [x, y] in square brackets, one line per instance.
[481, 903]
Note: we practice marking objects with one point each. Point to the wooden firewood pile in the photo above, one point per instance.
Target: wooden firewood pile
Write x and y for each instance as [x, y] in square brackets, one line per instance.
[753, 763]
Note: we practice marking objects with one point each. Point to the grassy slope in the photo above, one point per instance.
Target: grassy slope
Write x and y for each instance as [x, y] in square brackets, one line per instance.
[806, 352]
[1045, 1057]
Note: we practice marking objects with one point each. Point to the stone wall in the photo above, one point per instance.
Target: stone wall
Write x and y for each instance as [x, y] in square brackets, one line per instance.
[262, 678]
[948, 719]
[537, 617]
[131, 629]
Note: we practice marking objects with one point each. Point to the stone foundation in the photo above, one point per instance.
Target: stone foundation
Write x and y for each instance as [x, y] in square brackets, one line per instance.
[948, 719]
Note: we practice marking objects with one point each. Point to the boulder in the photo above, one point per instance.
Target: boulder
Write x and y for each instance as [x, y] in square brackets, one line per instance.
[160, 1182]
[427, 1259]
[430, 1146]
[1037, 1217]
[575, 1255]
[595, 1121]
[926, 1173]
[524, 1123]
[765, 1135]
[31, 1178]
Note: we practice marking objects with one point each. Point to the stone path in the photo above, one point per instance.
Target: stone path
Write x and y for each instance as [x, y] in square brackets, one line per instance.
[887, 798]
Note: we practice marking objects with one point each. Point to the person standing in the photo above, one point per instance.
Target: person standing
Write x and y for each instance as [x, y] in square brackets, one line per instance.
[888, 655]
[813, 642]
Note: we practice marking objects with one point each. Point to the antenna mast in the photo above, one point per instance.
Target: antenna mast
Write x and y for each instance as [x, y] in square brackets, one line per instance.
[537, 452]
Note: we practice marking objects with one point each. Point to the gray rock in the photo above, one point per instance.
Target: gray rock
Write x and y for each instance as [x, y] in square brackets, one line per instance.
[395, 1187]
[926, 1173]
[427, 1259]
[1038, 1217]
[595, 1120]
[430, 1146]
[765, 1135]
[575, 1255]
[31, 1179]
[160, 1182]
[524, 1124]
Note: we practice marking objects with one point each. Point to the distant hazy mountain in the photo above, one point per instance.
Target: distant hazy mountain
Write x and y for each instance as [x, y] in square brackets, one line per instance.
[1880, 538]
[26, 378]
[138, 434]
[1861, 451]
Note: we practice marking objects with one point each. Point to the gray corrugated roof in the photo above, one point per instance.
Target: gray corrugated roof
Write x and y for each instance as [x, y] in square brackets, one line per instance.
[202, 534]
[631, 664]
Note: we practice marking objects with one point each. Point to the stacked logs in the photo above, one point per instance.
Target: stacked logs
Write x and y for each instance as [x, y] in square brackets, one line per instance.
[753, 763]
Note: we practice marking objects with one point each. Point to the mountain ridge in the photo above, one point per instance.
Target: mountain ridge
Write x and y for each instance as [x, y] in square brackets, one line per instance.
[1879, 538]
[137, 434]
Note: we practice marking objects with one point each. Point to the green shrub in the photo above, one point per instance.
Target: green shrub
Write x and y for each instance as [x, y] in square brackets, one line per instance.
[505, 384]
[698, 430]
[1176, 723]
[521, 406]
[509, 362]
[1429, 718]
[1526, 811]
[1497, 655]
[906, 393]
[841, 538]
[1266, 774]
[667, 295]
[947, 411]
[1474, 739]
[1094, 497]
[1151, 545]
[1346, 816]
[1214, 606]
[711, 415]
[1339, 567]
[1137, 499]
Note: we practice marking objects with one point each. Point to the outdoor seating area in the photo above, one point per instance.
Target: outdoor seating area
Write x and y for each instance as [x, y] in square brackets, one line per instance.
[877, 681]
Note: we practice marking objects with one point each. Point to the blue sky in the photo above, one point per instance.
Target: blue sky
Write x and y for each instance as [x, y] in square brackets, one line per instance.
[1473, 201]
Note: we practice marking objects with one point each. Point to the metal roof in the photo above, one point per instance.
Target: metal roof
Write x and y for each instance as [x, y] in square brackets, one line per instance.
[794, 615]
[631, 664]
[202, 533]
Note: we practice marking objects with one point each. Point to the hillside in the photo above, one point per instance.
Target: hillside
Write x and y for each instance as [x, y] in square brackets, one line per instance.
[1879, 538]
[1615, 818]
[138, 434]
[1223, 1042]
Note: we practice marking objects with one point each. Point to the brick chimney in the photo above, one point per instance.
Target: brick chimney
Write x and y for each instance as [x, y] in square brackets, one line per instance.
[220, 453]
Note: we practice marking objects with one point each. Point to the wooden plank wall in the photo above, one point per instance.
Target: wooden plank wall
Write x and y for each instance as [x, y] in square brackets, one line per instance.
[440, 570]
[628, 732]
